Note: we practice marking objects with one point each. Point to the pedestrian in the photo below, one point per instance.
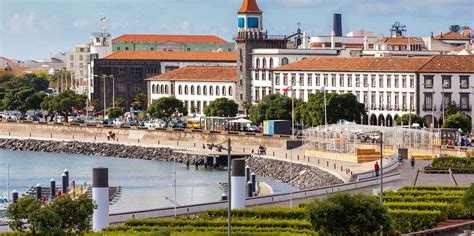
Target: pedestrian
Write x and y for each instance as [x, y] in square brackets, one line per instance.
[376, 168]
[412, 161]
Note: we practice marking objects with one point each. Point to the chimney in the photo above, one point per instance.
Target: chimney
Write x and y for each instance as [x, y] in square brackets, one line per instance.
[337, 24]
[467, 32]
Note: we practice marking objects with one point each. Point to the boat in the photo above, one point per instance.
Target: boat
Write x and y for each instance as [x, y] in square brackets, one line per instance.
[3, 206]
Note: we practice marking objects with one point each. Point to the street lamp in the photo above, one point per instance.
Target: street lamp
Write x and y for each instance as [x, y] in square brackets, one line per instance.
[113, 90]
[219, 148]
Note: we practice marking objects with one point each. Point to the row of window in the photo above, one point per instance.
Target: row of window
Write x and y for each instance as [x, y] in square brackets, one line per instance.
[359, 80]
[447, 99]
[446, 81]
[191, 90]
[195, 106]
[263, 62]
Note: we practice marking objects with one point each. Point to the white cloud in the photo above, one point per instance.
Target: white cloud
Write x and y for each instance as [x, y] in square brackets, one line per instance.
[80, 23]
[30, 22]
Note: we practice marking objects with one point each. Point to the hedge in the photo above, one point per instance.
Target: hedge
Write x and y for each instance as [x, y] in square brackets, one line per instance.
[405, 221]
[439, 188]
[421, 206]
[457, 164]
[260, 213]
[417, 193]
[397, 198]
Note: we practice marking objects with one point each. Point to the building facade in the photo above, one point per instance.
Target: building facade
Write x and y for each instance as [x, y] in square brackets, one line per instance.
[176, 43]
[389, 87]
[196, 86]
[127, 71]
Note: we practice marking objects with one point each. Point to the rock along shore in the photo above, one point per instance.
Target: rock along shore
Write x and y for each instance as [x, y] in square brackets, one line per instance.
[304, 177]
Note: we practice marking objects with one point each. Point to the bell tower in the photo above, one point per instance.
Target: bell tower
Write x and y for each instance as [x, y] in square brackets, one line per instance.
[250, 36]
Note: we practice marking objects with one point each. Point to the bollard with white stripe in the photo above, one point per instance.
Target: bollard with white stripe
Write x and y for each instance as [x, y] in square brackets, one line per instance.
[238, 184]
[52, 192]
[15, 196]
[100, 196]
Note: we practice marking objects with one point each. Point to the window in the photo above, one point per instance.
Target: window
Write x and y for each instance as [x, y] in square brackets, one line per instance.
[277, 79]
[118, 48]
[166, 89]
[198, 90]
[404, 81]
[230, 90]
[396, 82]
[380, 81]
[446, 81]
[293, 79]
[188, 49]
[126, 48]
[412, 101]
[412, 81]
[152, 49]
[349, 80]
[325, 79]
[428, 81]
[264, 92]
[366, 80]
[389, 81]
[428, 101]
[217, 91]
[204, 90]
[185, 90]
[285, 79]
[211, 90]
[310, 80]
[81, 57]
[204, 104]
[192, 89]
[271, 63]
[257, 94]
[153, 89]
[372, 81]
[333, 80]
[301, 95]
[162, 89]
[284, 61]
[357, 80]
[341, 80]
[257, 75]
[464, 101]
[464, 81]
[223, 91]
[301, 79]
[71, 57]
[447, 99]
[257, 63]
[264, 63]
[198, 107]
[318, 82]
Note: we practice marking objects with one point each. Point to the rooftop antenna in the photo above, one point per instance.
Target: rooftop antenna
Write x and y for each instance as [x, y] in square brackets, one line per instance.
[397, 29]
[103, 22]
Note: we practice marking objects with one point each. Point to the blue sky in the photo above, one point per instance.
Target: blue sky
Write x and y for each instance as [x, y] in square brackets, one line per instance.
[32, 29]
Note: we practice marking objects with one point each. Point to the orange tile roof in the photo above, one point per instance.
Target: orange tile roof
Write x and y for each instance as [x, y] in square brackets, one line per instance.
[450, 63]
[249, 6]
[173, 56]
[160, 38]
[200, 73]
[400, 40]
[357, 64]
[451, 36]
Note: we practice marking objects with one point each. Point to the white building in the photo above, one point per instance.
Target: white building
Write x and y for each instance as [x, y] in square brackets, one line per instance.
[389, 87]
[196, 86]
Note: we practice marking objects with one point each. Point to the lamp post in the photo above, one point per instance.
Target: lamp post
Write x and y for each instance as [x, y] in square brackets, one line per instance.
[113, 90]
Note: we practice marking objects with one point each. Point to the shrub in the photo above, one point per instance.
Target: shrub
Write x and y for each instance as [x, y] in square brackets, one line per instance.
[468, 199]
[405, 221]
[417, 193]
[346, 214]
[457, 211]
[408, 198]
[457, 164]
[260, 213]
[420, 206]
[440, 188]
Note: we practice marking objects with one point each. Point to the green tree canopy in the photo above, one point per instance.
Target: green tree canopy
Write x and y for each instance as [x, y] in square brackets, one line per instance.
[455, 28]
[272, 107]
[120, 102]
[64, 103]
[247, 106]
[339, 106]
[222, 107]
[24, 92]
[346, 214]
[468, 198]
[414, 119]
[139, 101]
[452, 109]
[167, 108]
[114, 112]
[458, 121]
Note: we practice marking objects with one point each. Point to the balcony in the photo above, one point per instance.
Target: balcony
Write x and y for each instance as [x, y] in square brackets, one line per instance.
[381, 106]
[396, 107]
[404, 107]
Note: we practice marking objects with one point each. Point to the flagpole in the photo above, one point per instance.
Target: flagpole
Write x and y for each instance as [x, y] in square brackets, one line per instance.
[293, 138]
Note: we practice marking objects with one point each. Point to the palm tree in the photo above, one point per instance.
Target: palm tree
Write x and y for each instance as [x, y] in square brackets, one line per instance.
[139, 101]
[120, 102]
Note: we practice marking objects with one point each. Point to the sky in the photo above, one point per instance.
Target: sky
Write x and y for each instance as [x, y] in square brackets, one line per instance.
[35, 29]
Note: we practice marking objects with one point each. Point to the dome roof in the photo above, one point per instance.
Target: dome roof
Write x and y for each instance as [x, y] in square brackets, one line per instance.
[249, 6]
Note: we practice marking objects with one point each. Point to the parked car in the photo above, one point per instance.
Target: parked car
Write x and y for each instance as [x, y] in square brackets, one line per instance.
[79, 120]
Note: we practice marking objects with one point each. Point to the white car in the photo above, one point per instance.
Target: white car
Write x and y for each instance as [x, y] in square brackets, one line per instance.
[155, 124]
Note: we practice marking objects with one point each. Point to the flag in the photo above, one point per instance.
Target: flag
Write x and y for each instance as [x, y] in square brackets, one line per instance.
[286, 89]
[102, 18]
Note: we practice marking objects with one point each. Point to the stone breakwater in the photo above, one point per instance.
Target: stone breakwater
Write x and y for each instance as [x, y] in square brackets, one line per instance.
[98, 149]
[302, 177]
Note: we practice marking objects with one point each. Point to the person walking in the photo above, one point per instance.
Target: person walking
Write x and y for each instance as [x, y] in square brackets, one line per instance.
[412, 161]
[376, 168]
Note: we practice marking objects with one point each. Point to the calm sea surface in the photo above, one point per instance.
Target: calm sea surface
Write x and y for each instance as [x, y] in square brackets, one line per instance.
[145, 184]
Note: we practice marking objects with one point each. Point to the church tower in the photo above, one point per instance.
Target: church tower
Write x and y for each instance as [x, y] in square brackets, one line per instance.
[250, 36]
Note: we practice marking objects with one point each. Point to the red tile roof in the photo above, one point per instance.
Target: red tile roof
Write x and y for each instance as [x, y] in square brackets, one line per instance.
[155, 38]
[173, 56]
[249, 6]
[451, 36]
[400, 40]
[439, 63]
[200, 73]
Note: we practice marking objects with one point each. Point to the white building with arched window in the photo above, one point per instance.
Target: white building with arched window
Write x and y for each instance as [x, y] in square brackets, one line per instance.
[196, 86]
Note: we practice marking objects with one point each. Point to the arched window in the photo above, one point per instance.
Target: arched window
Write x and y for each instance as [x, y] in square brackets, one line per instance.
[284, 61]
[192, 89]
[166, 89]
[230, 90]
[211, 90]
[198, 90]
[264, 63]
[180, 90]
[217, 91]
[257, 63]
[162, 89]
[172, 89]
[153, 89]
[271, 63]
[204, 90]
[223, 91]
[185, 90]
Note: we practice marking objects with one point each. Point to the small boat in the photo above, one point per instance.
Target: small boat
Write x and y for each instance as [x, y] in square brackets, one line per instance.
[3, 206]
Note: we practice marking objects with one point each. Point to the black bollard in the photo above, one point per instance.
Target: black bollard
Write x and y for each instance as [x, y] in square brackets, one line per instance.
[187, 163]
[64, 183]
[15, 196]
[67, 177]
[247, 173]
[52, 191]
[253, 178]
[38, 192]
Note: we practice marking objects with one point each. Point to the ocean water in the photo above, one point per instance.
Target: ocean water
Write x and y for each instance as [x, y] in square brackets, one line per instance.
[145, 184]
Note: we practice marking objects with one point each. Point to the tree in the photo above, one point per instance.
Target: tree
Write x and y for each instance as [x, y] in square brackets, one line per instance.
[62, 216]
[344, 106]
[468, 199]
[120, 102]
[458, 121]
[24, 92]
[455, 28]
[222, 107]
[405, 119]
[452, 109]
[139, 101]
[114, 112]
[271, 107]
[247, 106]
[167, 108]
[346, 214]
[64, 103]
